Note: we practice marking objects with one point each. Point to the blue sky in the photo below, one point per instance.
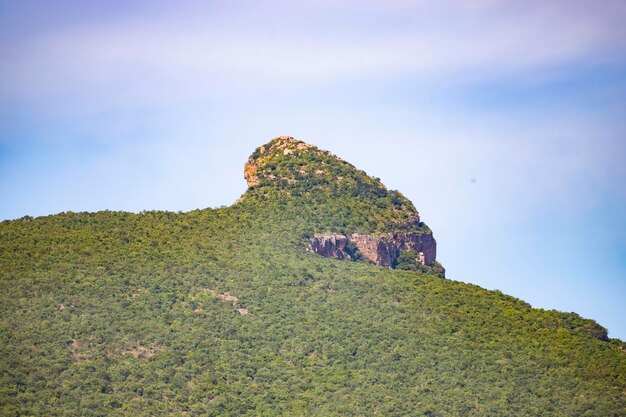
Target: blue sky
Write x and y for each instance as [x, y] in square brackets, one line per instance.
[503, 121]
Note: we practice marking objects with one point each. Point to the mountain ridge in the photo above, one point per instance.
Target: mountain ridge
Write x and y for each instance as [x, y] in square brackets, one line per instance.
[229, 311]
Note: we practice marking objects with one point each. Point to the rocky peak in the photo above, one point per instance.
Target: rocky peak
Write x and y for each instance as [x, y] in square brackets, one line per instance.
[289, 164]
[349, 211]
[262, 162]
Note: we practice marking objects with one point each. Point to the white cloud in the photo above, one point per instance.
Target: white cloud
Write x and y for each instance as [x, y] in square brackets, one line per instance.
[155, 58]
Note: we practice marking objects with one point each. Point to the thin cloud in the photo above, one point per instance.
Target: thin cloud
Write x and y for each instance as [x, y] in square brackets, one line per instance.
[133, 54]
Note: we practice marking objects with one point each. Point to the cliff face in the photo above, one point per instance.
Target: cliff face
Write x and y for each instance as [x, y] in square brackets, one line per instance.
[249, 173]
[379, 249]
[330, 246]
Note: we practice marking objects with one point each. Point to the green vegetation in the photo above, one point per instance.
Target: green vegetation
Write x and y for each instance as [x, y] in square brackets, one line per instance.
[115, 313]
[331, 194]
[408, 261]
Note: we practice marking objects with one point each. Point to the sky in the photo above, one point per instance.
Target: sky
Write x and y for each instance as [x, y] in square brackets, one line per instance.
[503, 121]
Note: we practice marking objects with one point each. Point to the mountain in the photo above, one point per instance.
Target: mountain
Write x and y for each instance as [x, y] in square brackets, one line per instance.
[318, 292]
[361, 218]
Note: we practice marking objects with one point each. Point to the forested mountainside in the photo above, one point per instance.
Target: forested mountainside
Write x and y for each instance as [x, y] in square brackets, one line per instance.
[233, 311]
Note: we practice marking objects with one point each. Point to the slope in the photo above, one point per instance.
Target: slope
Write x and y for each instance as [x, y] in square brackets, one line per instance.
[228, 312]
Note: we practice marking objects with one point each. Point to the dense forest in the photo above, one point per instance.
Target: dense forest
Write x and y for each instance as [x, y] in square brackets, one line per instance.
[225, 312]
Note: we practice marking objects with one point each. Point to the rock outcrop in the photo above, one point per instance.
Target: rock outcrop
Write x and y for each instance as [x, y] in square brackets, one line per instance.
[330, 246]
[284, 145]
[249, 173]
[381, 249]
[315, 180]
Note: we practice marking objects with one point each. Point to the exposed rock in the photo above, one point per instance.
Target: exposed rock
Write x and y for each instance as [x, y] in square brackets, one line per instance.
[75, 349]
[599, 332]
[249, 173]
[228, 298]
[330, 245]
[379, 249]
[223, 297]
[141, 352]
[288, 141]
[384, 249]
[285, 143]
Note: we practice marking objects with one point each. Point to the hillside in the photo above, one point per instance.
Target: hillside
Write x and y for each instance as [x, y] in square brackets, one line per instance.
[237, 311]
